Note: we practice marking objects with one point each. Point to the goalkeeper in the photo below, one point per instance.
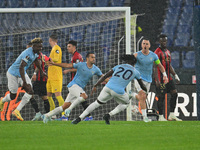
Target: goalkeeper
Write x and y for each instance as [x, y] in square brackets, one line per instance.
[55, 76]
[16, 74]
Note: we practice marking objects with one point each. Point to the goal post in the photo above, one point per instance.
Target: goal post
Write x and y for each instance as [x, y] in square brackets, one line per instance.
[97, 29]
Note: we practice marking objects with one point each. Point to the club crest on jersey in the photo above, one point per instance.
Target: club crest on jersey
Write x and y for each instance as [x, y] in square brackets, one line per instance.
[26, 58]
[57, 51]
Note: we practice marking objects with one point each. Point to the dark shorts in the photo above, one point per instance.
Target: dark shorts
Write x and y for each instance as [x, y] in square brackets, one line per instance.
[170, 86]
[39, 88]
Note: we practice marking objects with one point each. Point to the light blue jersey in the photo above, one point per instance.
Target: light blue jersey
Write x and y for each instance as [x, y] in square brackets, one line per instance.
[28, 56]
[84, 74]
[121, 77]
[145, 65]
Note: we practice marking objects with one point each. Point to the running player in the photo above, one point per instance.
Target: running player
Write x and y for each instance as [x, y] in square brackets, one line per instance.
[85, 71]
[76, 57]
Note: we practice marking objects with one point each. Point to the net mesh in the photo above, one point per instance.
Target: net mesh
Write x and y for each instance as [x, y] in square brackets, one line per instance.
[98, 32]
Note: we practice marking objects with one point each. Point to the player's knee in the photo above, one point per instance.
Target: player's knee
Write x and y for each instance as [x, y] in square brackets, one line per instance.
[66, 105]
[84, 95]
[12, 96]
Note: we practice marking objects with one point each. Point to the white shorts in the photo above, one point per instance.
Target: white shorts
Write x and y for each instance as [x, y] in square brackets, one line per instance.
[14, 82]
[138, 88]
[107, 94]
[74, 92]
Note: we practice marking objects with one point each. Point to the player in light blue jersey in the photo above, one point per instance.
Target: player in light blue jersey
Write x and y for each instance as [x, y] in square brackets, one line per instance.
[145, 61]
[16, 74]
[85, 71]
[115, 88]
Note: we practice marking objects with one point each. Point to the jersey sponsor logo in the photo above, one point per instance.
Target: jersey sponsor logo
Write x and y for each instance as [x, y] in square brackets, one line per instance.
[57, 51]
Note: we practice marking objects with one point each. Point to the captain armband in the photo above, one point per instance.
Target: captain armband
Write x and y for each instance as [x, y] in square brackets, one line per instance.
[157, 62]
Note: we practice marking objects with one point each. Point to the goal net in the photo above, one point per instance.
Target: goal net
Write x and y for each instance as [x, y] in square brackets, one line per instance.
[104, 31]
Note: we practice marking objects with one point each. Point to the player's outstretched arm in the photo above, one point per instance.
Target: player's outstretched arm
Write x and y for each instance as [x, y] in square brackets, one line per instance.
[103, 78]
[69, 70]
[108, 74]
[63, 65]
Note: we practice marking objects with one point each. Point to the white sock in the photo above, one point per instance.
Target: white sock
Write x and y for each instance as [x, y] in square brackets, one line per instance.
[76, 102]
[118, 109]
[171, 113]
[144, 112]
[6, 98]
[161, 116]
[89, 109]
[24, 101]
[39, 113]
[134, 95]
[56, 111]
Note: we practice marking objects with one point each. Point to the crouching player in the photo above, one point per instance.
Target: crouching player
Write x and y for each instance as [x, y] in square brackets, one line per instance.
[16, 74]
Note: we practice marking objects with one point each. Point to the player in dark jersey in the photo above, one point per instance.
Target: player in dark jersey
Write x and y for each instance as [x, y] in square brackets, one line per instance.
[39, 86]
[76, 57]
[161, 89]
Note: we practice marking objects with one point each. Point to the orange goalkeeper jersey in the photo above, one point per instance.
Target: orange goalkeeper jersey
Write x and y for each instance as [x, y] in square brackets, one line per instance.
[55, 72]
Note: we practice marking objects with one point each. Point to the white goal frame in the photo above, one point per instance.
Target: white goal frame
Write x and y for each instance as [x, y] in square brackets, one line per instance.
[127, 11]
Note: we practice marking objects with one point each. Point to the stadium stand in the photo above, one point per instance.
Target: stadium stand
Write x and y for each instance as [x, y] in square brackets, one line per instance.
[176, 59]
[58, 3]
[102, 3]
[188, 59]
[13, 4]
[117, 3]
[2, 4]
[86, 3]
[72, 3]
[28, 3]
[43, 3]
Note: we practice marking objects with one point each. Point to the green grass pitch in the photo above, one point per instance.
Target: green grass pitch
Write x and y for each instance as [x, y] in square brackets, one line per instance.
[96, 135]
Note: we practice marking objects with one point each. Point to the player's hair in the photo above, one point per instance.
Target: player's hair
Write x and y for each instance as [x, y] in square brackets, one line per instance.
[130, 59]
[29, 44]
[36, 41]
[54, 37]
[74, 43]
[88, 54]
[162, 36]
[145, 38]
